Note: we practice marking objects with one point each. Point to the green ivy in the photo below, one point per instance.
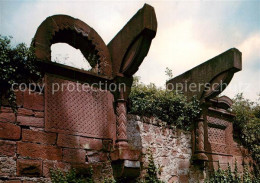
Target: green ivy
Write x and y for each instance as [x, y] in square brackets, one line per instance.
[58, 176]
[227, 176]
[247, 125]
[152, 171]
[17, 65]
[169, 106]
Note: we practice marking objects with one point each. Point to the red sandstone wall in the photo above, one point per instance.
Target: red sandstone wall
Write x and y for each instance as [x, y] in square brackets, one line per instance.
[28, 150]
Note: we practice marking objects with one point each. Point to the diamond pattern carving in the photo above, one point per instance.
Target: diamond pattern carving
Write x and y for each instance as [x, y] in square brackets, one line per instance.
[219, 134]
[87, 113]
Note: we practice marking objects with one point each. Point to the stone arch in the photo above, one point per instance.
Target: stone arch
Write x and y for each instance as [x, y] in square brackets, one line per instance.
[76, 33]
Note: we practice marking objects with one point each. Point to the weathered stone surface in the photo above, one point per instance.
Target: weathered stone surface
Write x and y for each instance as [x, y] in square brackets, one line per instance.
[172, 157]
[7, 117]
[183, 178]
[7, 167]
[52, 27]
[215, 72]
[39, 114]
[142, 24]
[47, 165]
[25, 112]
[39, 151]
[90, 143]
[29, 168]
[96, 157]
[10, 131]
[30, 121]
[33, 101]
[74, 155]
[6, 109]
[38, 137]
[7, 148]
[79, 142]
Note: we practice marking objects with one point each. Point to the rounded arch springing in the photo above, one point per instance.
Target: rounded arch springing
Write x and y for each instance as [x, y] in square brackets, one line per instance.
[66, 29]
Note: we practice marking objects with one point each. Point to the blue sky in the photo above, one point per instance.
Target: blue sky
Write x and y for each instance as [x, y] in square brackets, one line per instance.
[189, 33]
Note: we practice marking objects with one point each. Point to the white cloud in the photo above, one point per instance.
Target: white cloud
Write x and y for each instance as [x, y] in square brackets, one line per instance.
[189, 33]
[247, 81]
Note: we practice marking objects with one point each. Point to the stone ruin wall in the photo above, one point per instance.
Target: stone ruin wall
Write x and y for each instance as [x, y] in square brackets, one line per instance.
[28, 150]
[79, 130]
[172, 151]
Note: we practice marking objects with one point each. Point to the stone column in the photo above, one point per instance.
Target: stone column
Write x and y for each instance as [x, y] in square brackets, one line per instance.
[200, 134]
[121, 119]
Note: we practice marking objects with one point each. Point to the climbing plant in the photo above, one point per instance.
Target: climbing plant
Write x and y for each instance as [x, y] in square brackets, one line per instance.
[59, 176]
[169, 106]
[151, 175]
[247, 125]
[17, 65]
[227, 176]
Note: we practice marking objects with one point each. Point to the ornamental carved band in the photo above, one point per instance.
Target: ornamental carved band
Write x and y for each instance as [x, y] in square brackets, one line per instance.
[121, 120]
[200, 136]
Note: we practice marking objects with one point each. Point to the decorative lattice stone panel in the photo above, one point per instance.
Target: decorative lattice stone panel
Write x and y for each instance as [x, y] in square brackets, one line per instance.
[87, 112]
[219, 134]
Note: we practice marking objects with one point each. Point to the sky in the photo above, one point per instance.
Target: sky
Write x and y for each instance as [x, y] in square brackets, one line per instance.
[189, 33]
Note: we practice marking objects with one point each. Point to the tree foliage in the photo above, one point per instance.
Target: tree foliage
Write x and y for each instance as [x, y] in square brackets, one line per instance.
[247, 124]
[17, 65]
[169, 106]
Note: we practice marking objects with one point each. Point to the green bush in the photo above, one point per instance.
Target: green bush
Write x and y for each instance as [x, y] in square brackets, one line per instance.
[17, 65]
[58, 176]
[169, 106]
[247, 124]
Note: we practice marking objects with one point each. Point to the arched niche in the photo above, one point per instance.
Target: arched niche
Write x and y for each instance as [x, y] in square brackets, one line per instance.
[66, 29]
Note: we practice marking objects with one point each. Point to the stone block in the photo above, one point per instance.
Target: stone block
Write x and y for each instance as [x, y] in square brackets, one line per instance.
[25, 112]
[74, 155]
[33, 101]
[79, 142]
[30, 121]
[39, 151]
[7, 148]
[10, 131]
[29, 168]
[38, 136]
[7, 117]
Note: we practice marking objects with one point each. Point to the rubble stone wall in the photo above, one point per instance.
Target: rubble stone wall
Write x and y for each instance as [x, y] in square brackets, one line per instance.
[172, 151]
